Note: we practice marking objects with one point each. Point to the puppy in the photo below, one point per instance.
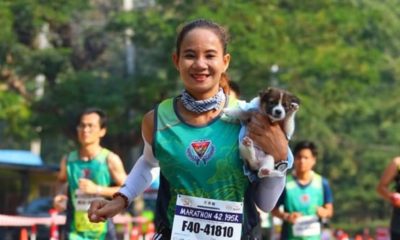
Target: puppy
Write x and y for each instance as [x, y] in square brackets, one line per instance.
[280, 106]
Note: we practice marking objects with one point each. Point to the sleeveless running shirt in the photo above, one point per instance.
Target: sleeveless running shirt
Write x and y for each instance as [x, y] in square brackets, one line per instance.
[200, 161]
[303, 199]
[97, 171]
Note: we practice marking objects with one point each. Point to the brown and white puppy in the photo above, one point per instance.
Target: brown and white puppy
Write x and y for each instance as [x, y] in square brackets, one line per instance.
[280, 106]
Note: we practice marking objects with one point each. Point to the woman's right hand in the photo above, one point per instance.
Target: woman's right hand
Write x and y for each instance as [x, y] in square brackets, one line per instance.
[102, 209]
[269, 137]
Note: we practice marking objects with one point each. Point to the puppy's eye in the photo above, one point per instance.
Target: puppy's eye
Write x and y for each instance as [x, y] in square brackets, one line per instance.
[286, 105]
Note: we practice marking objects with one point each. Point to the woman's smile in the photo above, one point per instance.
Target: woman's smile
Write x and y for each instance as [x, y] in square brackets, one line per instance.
[200, 77]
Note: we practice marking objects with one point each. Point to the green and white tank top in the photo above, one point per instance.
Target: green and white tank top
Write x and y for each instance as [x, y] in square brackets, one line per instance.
[200, 161]
[97, 171]
[304, 199]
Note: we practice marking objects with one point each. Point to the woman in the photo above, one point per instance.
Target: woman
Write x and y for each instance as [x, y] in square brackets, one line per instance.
[197, 152]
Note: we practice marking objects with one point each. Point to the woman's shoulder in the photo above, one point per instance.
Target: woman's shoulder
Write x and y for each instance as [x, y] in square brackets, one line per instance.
[148, 126]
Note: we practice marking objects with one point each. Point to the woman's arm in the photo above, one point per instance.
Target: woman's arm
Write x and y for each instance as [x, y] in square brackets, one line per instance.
[138, 179]
[145, 171]
[268, 191]
[271, 138]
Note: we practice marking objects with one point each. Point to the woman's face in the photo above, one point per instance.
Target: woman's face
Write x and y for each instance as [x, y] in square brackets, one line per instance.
[201, 62]
[304, 161]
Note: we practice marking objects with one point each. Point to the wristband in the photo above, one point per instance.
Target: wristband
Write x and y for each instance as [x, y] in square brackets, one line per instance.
[125, 198]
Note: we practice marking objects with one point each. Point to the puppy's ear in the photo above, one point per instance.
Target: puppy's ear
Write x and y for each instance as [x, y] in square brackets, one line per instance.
[265, 91]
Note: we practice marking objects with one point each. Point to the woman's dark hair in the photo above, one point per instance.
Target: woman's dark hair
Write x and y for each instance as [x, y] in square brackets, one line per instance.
[98, 111]
[306, 145]
[202, 23]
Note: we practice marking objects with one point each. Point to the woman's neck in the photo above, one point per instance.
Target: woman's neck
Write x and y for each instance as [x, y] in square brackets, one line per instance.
[192, 104]
[198, 119]
[204, 94]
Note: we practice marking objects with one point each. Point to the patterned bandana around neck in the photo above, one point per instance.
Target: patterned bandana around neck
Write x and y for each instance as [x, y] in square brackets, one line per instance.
[200, 106]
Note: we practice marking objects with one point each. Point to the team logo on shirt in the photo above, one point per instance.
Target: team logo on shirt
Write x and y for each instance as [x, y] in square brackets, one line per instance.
[200, 150]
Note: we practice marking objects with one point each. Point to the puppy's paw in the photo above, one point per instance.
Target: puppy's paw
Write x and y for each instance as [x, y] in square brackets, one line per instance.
[247, 142]
[263, 172]
[228, 115]
[294, 107]
[227, 110]
[232, 112]
[270, 174]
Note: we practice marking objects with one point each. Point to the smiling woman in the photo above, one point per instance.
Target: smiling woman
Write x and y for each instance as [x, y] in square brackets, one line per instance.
[201, 61]
[197, 152]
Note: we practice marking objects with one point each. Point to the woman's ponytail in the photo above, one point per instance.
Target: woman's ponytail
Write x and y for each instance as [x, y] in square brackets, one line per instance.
[224, 83]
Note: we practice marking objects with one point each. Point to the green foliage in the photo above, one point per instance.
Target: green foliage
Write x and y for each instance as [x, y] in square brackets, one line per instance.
[16, 115]
[7, 35]
[75, 92]
[49, 62]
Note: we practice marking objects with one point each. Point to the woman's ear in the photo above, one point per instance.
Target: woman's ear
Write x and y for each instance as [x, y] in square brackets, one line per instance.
[227, 59]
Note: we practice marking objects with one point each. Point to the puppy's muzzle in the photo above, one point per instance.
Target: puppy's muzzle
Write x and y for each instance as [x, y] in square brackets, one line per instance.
[277, 113]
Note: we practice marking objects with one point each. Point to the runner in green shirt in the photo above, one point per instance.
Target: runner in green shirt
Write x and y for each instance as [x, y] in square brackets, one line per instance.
[307, 197]
[89, 172]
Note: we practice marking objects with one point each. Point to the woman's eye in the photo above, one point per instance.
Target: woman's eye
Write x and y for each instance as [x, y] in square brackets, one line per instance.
[189, 56]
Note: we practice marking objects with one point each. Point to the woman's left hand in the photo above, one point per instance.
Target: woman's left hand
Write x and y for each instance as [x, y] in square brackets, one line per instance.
[101, 209]
[269, 137]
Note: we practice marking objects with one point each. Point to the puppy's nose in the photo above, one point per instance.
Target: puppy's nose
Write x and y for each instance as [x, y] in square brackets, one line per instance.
[278, 112]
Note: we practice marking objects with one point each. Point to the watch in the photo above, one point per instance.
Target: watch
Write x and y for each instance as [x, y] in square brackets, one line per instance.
[282, 166]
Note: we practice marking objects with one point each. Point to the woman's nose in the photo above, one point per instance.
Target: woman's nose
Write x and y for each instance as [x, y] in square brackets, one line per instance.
[200, 63]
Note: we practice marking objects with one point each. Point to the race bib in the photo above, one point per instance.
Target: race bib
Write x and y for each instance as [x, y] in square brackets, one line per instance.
[307, 226]
[206, 219]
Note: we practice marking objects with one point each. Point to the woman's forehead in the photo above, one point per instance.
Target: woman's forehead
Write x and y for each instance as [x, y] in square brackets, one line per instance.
[201, 38]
